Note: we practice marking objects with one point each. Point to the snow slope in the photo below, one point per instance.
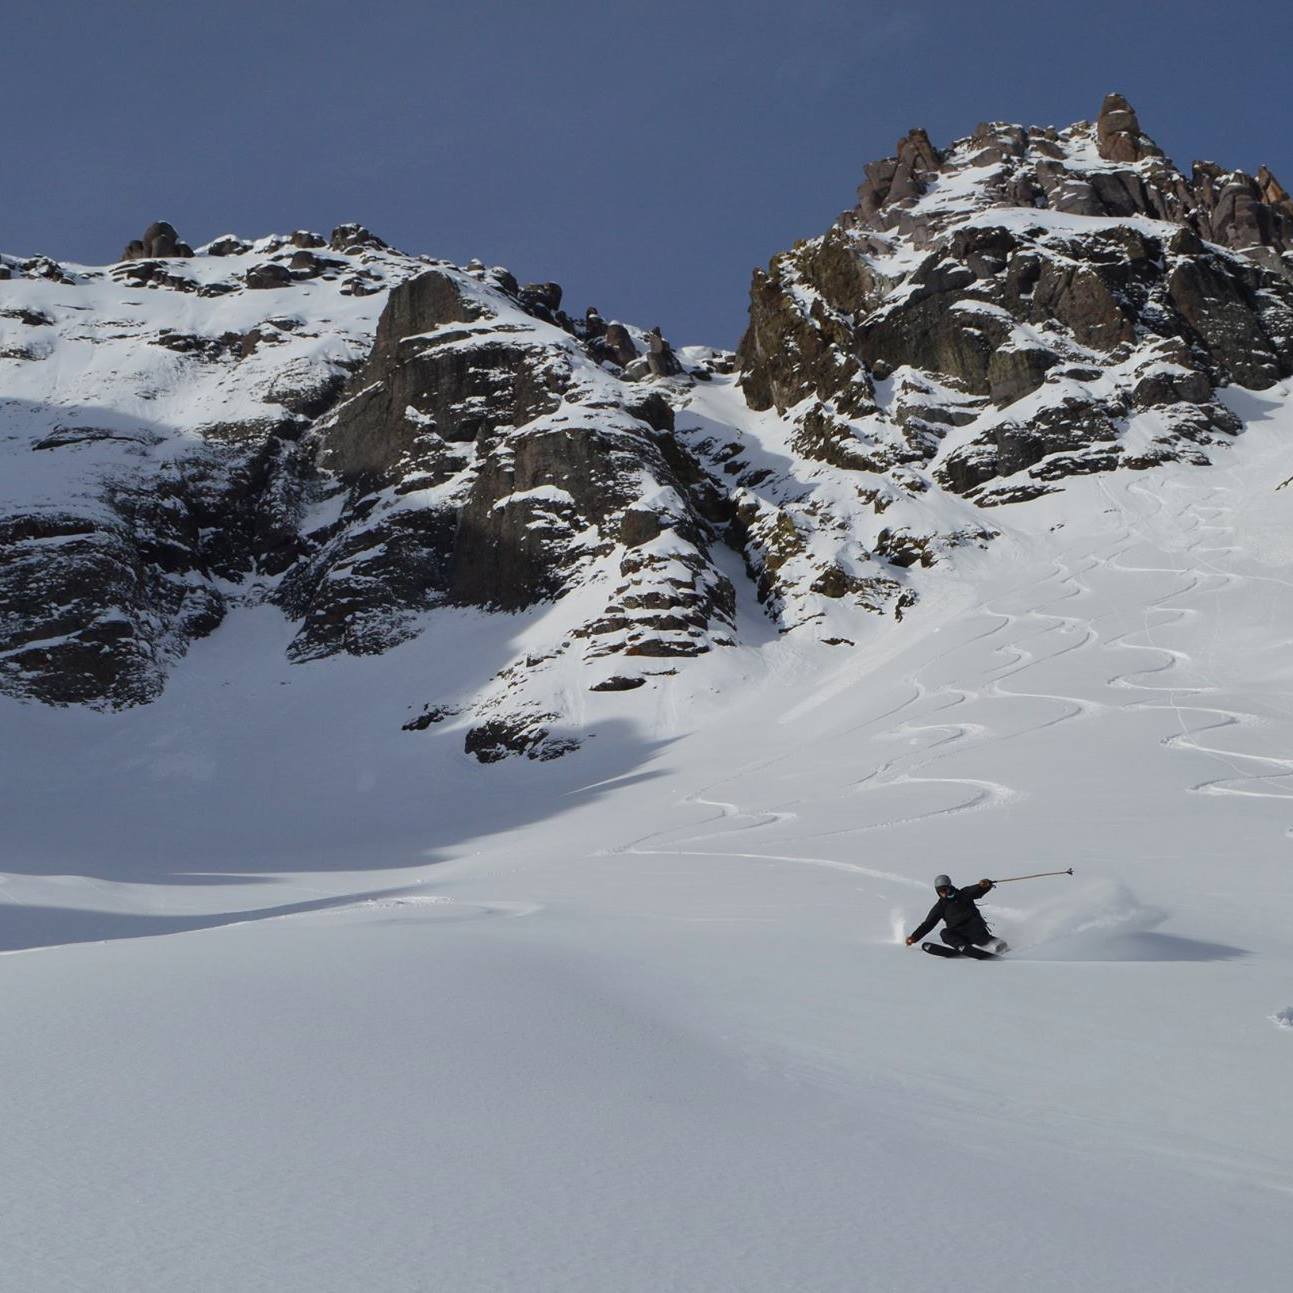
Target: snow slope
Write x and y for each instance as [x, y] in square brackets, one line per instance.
[296, 1005]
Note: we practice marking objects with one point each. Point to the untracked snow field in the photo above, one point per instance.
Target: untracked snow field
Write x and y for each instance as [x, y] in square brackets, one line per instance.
[295, 1000]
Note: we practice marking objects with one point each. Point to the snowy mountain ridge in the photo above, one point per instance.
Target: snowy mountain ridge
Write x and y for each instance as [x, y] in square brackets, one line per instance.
[365, 438]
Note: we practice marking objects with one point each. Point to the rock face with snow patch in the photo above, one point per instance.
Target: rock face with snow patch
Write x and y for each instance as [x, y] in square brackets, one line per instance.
[1027, 304]
[155, 467]
[487, 459]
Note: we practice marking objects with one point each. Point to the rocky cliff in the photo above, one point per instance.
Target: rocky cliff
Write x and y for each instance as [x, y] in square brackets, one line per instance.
[1025, 304]
[369, 440]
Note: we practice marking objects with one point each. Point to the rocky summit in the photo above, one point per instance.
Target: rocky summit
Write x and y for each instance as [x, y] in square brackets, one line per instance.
[376, 443]
[1025, 304]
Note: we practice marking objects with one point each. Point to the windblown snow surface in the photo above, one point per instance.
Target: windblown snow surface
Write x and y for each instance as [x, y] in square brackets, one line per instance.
[295, 1000]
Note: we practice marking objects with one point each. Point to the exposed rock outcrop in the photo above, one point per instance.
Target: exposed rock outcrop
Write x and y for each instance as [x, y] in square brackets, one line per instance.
[489, 463]
[1054, 285]
[160, 241]
[1118, 133]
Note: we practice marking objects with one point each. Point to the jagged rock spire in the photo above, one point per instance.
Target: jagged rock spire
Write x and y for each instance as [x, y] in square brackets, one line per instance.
[901, 176]
[1118, 134]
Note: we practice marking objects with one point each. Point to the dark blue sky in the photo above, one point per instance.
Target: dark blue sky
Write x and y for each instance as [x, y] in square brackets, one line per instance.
[646, 156]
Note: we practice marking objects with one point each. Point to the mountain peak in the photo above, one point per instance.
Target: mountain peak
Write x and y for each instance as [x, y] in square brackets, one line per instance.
[1109, 168]
[1027, 303]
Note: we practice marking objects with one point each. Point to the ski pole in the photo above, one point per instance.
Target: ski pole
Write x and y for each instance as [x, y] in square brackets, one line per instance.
[1037, 875]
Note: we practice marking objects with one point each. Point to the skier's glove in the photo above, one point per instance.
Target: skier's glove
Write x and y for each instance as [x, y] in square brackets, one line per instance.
[987, 884]
[910, 941]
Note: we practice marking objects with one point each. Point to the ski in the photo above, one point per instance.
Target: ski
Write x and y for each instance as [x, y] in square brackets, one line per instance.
[974, 953]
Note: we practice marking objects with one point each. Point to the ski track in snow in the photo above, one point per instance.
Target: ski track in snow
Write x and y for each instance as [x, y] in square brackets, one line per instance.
[1242, 783]
[1023, 637]
[906, 769]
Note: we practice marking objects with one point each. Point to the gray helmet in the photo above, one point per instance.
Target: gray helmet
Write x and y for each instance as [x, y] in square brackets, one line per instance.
[942, 882]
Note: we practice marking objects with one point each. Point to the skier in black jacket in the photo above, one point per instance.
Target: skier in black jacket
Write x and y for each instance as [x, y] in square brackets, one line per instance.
[964, 923]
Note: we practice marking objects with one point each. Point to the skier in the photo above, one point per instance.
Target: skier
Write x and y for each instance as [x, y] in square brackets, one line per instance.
[964, 923]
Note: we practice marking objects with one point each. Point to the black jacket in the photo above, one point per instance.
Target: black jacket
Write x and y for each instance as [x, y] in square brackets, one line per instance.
[958, 911]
